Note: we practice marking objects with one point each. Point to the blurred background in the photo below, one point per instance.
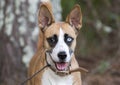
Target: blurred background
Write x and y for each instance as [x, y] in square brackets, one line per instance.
[98, 43]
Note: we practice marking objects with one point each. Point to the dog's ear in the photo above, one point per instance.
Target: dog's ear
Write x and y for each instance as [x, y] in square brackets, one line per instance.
[45, 16]
[75, 17]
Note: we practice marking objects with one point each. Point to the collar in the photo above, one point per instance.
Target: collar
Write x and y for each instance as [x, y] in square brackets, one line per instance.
[60, 73]
[69, 71]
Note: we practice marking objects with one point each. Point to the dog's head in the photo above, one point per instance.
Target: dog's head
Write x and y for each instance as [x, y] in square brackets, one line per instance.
[59, 37]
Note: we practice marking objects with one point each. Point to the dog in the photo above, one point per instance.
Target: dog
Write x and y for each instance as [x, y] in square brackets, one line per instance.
[56, 46]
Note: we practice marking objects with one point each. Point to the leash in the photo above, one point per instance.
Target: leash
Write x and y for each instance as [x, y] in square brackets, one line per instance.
[34, 74]
[63, 73]
[80, 69]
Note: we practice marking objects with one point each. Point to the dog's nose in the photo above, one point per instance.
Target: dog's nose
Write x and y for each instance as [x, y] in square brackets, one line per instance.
[62, 55]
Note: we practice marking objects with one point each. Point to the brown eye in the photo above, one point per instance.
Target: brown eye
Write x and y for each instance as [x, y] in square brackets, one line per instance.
[52, 40]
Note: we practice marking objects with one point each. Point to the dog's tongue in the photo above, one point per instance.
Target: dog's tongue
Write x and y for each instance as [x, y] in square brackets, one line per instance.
[61, 66]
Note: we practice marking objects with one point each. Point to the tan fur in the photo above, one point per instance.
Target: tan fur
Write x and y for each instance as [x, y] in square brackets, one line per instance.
[76, 75]
[38, 60]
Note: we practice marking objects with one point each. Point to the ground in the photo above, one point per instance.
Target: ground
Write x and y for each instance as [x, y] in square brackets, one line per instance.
[106, 74]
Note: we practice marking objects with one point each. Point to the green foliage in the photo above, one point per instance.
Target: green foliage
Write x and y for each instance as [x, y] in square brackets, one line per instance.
[92, 11]
[103, 66]
[66, 7]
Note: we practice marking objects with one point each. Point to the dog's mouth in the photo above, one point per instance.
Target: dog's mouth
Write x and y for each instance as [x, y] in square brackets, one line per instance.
[61, 66]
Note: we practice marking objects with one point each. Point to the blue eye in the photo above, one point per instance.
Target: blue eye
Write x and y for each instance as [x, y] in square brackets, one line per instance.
[68, 39]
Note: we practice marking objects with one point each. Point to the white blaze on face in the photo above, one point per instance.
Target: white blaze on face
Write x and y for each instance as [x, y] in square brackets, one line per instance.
[45, 0]
[60, 46]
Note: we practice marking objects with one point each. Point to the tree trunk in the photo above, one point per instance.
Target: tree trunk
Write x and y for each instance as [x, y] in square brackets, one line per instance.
[18, 37]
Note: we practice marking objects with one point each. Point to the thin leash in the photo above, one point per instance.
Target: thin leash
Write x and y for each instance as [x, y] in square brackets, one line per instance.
[80, 69]
[34, 74]
[29, 78]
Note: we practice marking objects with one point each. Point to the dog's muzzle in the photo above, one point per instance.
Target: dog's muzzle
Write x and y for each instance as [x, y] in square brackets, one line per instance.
[62, 67]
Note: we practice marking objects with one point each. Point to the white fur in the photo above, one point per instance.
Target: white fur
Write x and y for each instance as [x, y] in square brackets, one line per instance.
[50, 78]
[60, 46]
[45, 0]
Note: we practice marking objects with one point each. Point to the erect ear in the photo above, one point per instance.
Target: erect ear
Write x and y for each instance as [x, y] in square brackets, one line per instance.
[45, 16]
[75, 17]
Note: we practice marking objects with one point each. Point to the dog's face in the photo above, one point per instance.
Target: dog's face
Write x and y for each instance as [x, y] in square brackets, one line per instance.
[59, 37]
[60, 40]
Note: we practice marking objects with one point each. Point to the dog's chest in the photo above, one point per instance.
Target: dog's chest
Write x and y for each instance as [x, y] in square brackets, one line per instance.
[50, 78]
